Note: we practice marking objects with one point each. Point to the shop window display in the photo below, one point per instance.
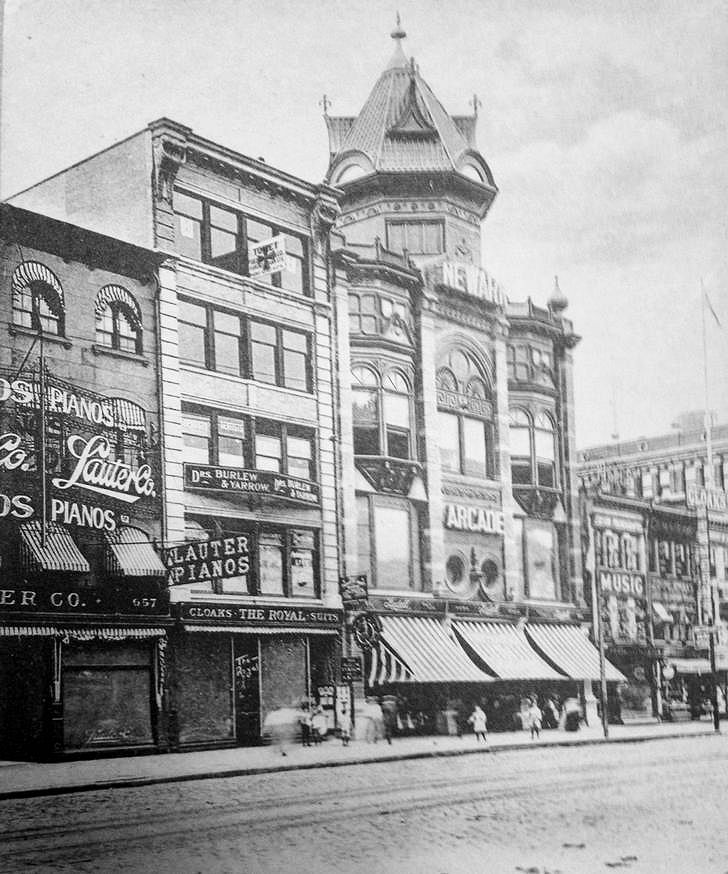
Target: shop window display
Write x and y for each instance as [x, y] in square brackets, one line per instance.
[541, 559]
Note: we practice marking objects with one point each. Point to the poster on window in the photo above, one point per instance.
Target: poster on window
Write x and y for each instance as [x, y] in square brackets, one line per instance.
[268, 256]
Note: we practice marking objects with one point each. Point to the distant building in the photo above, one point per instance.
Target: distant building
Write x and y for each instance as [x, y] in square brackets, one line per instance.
[84, 608]
[654, 519]
[457, 425]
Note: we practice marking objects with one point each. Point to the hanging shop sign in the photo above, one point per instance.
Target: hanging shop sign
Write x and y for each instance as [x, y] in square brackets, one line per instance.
[704, 496]
[262, 614]
[268, 256]
[351, 669]
[479, 520]
[206, 560]
[131, 600]
[251, 482]
[473, 281]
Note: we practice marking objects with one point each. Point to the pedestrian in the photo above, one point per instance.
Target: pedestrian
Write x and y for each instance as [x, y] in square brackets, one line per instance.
[319, 725]
[305, 722]
[534, 719]
[345, 726]
[551, 714]
[389, 716]
[479, 722]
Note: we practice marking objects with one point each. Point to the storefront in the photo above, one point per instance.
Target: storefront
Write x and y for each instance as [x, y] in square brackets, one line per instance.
[236, 667]
[439, 658]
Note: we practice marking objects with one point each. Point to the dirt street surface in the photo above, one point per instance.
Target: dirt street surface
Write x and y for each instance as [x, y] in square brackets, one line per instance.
[643, 808]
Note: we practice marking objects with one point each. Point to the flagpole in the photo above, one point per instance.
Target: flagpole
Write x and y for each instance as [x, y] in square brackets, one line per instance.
[708, 486]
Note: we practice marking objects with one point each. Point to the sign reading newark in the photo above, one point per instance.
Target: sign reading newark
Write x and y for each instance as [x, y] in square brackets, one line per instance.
[262, 614]
[251, 482]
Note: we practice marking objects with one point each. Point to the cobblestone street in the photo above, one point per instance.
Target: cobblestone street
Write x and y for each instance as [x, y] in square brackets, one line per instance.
[645, 808]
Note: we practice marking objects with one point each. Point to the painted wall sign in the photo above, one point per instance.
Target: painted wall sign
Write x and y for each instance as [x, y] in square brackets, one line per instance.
[73, 402]
[474, 281]
[205, 560]
[251, 482]
[618, 523]
[262, 614]
[622, 583]
[351, 669]
[135, 600]
[712, 498]
[477, 519]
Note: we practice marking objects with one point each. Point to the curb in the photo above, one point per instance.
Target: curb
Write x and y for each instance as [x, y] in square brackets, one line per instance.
[126, 782]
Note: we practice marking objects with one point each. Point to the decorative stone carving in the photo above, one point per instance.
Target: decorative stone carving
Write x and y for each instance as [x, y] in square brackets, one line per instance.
[536, 502]
[390, 475]
[169, 155]
[324, 215]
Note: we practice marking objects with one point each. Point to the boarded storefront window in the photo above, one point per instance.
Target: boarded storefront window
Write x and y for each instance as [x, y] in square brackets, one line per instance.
[203, 679]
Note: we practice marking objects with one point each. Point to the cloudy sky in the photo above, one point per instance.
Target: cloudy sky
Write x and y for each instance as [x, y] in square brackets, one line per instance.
[605, 124]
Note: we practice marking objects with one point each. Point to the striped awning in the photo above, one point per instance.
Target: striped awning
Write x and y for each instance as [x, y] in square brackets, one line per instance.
[58, 553]
[431, 654]
[569, 649]
[254, 629]
[82, 633]
[129, 553]
[504, 650]
[385, 667]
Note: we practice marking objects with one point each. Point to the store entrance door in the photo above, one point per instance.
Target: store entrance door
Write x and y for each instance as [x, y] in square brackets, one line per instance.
[247, 690]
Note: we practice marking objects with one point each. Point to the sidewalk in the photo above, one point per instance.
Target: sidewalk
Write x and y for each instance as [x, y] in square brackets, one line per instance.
[28, 779]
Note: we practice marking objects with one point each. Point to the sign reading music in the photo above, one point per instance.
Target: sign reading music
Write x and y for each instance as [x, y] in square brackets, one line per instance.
[251, 482]
[622, 583]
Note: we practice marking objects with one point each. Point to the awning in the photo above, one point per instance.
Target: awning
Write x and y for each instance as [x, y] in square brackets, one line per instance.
[385, 667]
[690, 666]
[81, 633]
[505, 651]
[129, 553]
[59, 553]
[254, 629]
[662, 614]
[568, 648]
[429, 652]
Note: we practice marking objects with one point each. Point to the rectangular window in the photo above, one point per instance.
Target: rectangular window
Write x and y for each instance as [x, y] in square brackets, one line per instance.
[397, 424]
[188, 225]
[302, 564]
[541, 559]
[393, 545]
[223, 237]
[449, 442]
[299, 454]
[230, 441]
[193, 333]
[416, 238]
[196, 438]
[226, 340]
[270, 563]
[295, 360]
[474, 447]
[268, 449]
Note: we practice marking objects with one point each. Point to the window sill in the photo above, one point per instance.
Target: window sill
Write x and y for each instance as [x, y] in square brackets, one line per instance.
[20, 330]
[191, 367]
[119, 353]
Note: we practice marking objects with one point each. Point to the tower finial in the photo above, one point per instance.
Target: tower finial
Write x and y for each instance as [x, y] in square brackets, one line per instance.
[398, 32]
[558, 300]
[325, 103]
[476, 103]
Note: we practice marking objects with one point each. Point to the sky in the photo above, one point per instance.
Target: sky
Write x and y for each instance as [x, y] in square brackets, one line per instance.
[605, 125]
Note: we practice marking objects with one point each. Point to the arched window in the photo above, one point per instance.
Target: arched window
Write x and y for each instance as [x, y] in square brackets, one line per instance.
[118, 320]
[396, 408]
[545, 450]
[38, 299]
[381, 413]
[465, 417]
[365, 397]
[533, 449]
[520, 446]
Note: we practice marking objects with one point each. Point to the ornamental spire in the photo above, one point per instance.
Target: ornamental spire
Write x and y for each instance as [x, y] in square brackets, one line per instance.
[399, 33]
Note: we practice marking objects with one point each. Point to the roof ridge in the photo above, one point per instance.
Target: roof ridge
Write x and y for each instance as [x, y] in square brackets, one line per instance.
[434, 119]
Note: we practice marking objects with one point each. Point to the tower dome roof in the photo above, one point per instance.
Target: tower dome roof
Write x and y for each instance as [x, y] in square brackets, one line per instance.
[403, 128]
